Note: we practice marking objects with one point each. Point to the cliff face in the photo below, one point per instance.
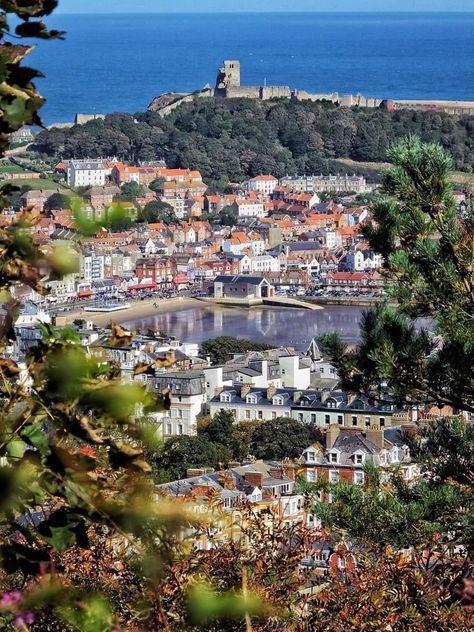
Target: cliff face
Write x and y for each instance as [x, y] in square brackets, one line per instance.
[164, 100]
[164, 104]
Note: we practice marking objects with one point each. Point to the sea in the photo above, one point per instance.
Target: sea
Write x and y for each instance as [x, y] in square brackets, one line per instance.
[119, 63]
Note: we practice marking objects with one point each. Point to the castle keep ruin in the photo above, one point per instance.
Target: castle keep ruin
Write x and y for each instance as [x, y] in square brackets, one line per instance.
[228, 86]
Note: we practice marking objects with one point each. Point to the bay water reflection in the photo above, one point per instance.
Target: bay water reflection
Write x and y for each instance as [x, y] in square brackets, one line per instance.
[279, 327]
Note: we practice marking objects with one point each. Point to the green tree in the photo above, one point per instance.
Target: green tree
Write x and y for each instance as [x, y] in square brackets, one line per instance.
[58, 200]
[220, 349]
[227, 217]
[219, 428]
[157, 211]
[157, 184]
[132, 190]
[280, 438]
[181, 453]
[429, 253]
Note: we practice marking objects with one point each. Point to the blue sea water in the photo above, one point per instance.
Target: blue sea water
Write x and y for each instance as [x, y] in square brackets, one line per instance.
[118, 63]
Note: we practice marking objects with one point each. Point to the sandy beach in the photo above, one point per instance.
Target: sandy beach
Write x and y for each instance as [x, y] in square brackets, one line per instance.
[136, 311]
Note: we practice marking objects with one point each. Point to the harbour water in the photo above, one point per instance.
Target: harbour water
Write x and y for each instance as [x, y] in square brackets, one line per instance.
[118, 63]
[279, 327]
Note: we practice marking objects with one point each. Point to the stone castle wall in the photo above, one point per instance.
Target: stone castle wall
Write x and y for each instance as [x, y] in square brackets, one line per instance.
[228, 86]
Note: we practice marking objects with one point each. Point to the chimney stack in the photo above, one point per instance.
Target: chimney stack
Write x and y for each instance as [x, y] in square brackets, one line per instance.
[331, 435]
[351, 397]
[375, 436]
[227, 480]
[276, 472]
[271, 392]
[324, 395]
[245, 390]
[290, 469]
[254, 478]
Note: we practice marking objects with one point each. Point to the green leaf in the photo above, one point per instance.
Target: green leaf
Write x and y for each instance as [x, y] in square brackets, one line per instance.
[36, 437]
[64, 529]
[16, 449]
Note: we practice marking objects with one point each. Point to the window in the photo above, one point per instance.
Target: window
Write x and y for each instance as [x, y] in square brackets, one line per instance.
[260, 414]
[300, 417]
[334, 457]
[382, 422]
[340, 420]
[313, 418]
[311, 476]
[327, 419]
[225, 398]
[334, 476]
[180, 429]
[169, 429]
[359, 478]
[274, 415]
[354, 421]
[247, 414]
[367, 422]
[341, 562]
[358, 458]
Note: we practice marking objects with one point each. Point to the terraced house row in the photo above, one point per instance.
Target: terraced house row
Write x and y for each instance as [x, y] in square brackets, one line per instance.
[321, 408]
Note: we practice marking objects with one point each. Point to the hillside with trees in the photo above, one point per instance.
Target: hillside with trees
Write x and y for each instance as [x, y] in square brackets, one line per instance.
[230, 140]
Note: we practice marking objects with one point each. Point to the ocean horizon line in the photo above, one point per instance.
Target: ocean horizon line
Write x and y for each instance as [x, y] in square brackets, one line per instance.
[264, 12]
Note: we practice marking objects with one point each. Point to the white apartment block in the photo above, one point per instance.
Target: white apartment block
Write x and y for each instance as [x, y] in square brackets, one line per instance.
[86, 173]
[248, 208]
[263, 263]
[263, 184]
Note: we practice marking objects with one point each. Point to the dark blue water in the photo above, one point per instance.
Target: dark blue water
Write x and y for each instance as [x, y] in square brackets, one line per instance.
[120, 62]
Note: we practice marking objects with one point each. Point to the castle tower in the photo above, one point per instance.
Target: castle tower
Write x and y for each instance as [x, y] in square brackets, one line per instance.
[228, 76]
[232, 72]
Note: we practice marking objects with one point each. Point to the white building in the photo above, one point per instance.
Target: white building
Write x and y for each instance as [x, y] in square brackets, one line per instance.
[248, 208]
[263, 184]
[295, 372]
[363, 260]
[263, 263]
[86, 173]
[91, 266]
[248, 404]
[188, 398]
[61, 289]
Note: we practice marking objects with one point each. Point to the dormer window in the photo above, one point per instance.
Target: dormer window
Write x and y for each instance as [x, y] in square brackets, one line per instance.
[359, 458]
[334, 457]
[331, 403]
[225, 397]
[251, 399]
[278, 401]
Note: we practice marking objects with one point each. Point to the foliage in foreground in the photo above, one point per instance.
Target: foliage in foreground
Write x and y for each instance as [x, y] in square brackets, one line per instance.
[85, 546]
[429, 251]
